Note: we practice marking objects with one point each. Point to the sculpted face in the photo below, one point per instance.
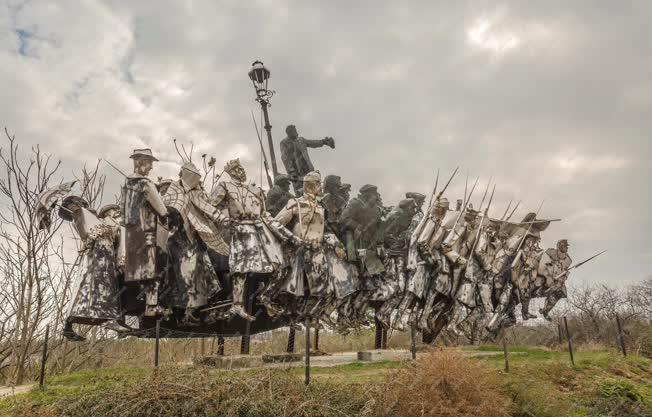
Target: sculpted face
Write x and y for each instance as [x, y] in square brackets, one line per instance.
[143, 166]
[562, 246]
[292, 132]
[238, 173]
[312, 188]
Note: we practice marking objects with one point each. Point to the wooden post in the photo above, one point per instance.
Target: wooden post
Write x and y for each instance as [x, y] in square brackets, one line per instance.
[291, 335]
[505, 353]
[220, 345]
[413, 344]
[307, 364]
[44, 357]
[570, 343]
[156, 344]
[621, 336]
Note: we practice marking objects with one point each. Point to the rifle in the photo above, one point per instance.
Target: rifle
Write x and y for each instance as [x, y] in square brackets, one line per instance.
[518, 203]
[506, 210]
[526, 233]
[465, 204]
[434, 190]
[262, 149]
[469, 266]
[577, 265]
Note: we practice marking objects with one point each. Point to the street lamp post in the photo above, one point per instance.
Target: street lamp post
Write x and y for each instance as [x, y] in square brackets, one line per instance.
[259, 76]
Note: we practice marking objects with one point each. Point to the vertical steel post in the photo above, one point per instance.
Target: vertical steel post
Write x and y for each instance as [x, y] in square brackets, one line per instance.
[156, 344]
[220, 345]
[291, 335]
[570, 343]
[307, 364]
[505, 353]
[621, 336]
[378, 337]
[44, 357]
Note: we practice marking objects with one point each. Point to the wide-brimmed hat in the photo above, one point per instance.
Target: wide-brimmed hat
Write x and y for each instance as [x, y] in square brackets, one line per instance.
[143, 154]
[102, 212]
[64, 210]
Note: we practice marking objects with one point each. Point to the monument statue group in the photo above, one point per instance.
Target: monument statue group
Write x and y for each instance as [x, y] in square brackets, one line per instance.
[236, 256]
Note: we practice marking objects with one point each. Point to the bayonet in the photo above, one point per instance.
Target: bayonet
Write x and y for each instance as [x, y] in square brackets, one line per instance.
[506, 210]
[115, 167]
[485, 194]
[526, 232]
[447, 184]
[577, 265]
[518, 203]
[465, 205]
[434, 190]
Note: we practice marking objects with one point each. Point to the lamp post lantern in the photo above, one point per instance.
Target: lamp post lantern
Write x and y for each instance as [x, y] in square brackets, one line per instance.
[259, 76]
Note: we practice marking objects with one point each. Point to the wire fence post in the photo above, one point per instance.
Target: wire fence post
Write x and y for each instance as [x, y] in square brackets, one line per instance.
[413, 343]
[505, 353]
[307, 365]
[621, 335]
[157, 343]
[570, 343]
[559, 333]
[44, 357]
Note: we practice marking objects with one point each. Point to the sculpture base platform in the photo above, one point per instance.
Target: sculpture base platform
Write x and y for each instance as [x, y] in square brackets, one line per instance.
[282, 358]
[229, 361]
[370, 355]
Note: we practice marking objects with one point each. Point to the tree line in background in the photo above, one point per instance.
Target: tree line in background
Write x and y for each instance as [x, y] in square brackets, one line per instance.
[38, 267]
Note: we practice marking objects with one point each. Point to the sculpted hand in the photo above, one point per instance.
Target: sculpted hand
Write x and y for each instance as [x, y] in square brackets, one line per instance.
[461, 261]
[330, 142]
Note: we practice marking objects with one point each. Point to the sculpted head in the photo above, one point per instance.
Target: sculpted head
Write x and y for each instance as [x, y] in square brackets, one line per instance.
[143, 161]
[562, 246]
[190, 175]
[291, 131]
[312, 183]
[282, 181]
[235, 170]
[440, 208]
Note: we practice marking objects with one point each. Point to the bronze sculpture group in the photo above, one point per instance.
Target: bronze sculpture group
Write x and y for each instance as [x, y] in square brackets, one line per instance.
[215, 262]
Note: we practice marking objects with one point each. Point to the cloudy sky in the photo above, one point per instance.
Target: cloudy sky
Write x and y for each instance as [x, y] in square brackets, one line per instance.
[551, 98]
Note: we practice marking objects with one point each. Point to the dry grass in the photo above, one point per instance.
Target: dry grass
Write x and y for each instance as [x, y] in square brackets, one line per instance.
[441, 384]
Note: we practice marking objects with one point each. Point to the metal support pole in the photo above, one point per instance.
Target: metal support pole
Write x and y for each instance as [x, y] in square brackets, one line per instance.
[291, 335]
[246, 339]
[220, 345]
[505, 353]
[559, 332]
[621, 335]
[316, 335]
[383, 344]
[156, 344]
[378, 339]
[413, 346]
[307, 365]
[268, 128]
[44, 357]
[570, 343]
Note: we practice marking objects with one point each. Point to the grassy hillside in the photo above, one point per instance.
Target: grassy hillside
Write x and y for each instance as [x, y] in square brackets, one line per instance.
[540, 383]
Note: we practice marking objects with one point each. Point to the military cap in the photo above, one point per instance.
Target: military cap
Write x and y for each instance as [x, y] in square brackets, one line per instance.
[104, 210]
[345, 187]
[64, 210]
[368, 188]
[442, 202]
[407, 202]
[313, 176]
[281, 179]
[335, 180]
[143, 154]
[470, 210]
[189, 166]
[415, 196]
[563, 241]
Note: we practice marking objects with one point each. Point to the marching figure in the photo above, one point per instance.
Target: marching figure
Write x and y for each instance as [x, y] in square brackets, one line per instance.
[524, 272]
[193, 231]
[254, 249]
[334, 200]
[142, 207]
[294, 154]
[96, 296]
[553, 267]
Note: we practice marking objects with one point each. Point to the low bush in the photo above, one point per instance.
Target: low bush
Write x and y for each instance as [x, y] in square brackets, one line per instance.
[440, 384]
